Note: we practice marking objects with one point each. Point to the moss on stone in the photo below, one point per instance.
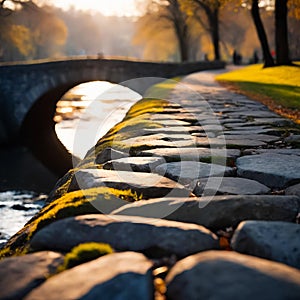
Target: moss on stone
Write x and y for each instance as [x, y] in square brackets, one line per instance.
[71, 204]
[84, 253]
[146, 106]
[78, 203]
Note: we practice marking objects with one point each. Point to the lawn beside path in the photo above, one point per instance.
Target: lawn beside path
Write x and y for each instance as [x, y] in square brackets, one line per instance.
[276, 87]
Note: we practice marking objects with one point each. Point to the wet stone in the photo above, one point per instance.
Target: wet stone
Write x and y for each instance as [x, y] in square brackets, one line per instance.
[229, 275]
[123, 233]
[229, 186]
[278, 241]
[275, 171]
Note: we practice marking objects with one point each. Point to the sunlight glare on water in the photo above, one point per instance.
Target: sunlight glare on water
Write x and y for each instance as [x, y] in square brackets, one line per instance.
[88, 111]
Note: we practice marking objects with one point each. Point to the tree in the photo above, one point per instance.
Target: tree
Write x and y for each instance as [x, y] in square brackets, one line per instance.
[21, 38]
[281, 33]
[29, 31]
[157, 45]
[166, 15]
[268, 59]
[172, 12]
[211, 22]
[179, 19]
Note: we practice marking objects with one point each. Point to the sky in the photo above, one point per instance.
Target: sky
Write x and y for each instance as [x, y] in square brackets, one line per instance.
[106, 7]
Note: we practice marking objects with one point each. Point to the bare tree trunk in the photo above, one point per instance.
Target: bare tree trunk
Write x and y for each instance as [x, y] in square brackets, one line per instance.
[212, 14]
[269, 61]
[179, 20]
[281, 33]
[183, 48]
[215, 33]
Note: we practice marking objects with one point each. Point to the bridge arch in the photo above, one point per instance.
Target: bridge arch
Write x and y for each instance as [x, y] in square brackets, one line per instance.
[29, 93]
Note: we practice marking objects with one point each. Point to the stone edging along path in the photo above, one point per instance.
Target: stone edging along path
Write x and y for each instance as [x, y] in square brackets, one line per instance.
[198, 194]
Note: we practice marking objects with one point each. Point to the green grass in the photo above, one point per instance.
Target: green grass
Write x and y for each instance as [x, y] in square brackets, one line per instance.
[278, 87]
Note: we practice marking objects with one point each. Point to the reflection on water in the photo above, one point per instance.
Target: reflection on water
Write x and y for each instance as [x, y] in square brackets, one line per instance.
[16, 208]
[88, 111]
[83, 115]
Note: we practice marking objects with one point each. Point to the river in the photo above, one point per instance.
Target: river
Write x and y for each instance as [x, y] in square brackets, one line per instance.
[83, 115]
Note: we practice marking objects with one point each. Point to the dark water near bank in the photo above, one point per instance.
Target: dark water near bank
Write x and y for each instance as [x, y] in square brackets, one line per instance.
[84, 114]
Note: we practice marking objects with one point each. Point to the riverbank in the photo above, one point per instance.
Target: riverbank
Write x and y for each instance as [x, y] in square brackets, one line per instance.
[174, 186]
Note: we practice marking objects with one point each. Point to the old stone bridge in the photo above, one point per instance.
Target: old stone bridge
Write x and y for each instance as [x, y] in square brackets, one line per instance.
[29, 93]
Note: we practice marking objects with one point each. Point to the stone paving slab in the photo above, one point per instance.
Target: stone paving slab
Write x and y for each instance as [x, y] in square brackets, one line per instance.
[20, 274]
[255, 113]
[109, 154]
[134, 164]
[228, 142]
[276, 171]
[186, 172]
[219, 211]
[180, 116]
[253, 130]
[243, 143]
[293, 139]
[271, 152]
[192, 154]
[228, 275]
[115, 276]
[293, 190]
[124, 233]
[229, 186]
[175, 129]
[256, 137]
[278, 241]
[148, 184]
